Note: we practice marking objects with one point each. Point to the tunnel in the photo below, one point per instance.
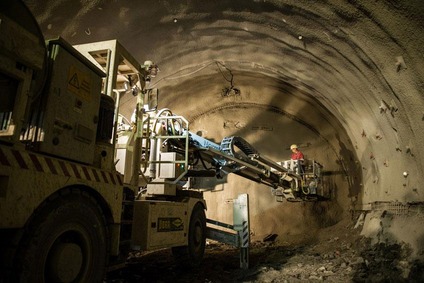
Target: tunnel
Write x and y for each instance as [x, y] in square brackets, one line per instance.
[341, 79]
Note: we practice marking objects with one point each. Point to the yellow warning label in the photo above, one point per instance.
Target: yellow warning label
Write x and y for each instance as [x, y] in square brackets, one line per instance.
[79, 83]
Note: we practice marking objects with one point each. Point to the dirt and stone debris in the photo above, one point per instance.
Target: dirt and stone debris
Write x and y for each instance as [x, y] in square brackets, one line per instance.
[337, 254]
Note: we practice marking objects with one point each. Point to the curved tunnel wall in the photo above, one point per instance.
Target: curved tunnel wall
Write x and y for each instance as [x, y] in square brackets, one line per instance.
[348, 74]
[270, 115]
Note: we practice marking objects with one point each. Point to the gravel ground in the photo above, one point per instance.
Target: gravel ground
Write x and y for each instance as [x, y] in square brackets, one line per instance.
[338, 254]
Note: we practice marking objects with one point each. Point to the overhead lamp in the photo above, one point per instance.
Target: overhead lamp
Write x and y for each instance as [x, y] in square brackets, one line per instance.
[151, 68]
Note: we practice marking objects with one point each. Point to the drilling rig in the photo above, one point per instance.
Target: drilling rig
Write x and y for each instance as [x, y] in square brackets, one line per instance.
[81, 185]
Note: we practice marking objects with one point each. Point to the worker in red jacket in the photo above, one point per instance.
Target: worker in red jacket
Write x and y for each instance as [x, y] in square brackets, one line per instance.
[296, 153]
[297, 160]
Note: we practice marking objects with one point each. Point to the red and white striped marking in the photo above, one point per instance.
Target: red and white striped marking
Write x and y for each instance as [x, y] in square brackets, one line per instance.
[31, 161]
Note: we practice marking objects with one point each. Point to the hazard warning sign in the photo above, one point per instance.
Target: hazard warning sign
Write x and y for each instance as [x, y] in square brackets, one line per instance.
[79, 83]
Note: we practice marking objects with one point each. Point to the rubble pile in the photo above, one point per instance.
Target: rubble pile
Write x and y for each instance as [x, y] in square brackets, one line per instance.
[336, 254]
[340, 261]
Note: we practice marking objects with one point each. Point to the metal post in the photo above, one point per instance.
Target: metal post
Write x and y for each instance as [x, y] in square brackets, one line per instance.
[242, 226]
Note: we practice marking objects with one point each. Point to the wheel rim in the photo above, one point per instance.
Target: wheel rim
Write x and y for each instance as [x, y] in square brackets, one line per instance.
[65, 260]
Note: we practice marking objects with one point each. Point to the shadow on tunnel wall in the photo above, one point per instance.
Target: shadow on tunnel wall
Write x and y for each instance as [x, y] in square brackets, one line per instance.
[352, 171]
[351, 167]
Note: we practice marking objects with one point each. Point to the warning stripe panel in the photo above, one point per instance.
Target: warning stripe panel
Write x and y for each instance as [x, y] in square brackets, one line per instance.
[112, 178]
[19, 159]
[75, 170]
[64, 169]
[51, 166]
[104, 177]
[86, 174]
[10, 159]
[36, 163]
[3, 159]
[96, 176]
[30, 161]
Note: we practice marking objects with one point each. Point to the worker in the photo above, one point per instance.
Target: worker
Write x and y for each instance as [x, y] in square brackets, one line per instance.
[296, 160]
[296, 153]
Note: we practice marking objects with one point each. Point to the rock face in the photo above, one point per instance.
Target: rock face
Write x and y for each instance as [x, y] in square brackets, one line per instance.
[341, 79]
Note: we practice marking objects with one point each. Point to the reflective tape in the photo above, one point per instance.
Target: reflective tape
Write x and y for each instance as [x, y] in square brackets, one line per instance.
[36, 162]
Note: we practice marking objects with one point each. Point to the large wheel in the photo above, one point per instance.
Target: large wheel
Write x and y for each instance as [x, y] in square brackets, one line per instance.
[66, 242]
[192, 255]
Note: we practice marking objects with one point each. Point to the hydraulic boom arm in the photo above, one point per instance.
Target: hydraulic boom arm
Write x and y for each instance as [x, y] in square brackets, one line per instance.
[198, 157]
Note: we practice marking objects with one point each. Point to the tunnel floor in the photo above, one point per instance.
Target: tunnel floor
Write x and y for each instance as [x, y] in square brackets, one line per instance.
[337, 254]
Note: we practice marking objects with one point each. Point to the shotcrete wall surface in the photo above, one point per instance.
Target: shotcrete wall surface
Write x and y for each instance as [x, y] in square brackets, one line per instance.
[342, 79]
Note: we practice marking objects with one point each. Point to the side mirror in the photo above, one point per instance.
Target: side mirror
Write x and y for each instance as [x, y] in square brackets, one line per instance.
[151, 100]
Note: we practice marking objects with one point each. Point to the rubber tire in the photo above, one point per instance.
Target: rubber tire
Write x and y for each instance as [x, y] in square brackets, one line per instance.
[192, 255]
[75, 221]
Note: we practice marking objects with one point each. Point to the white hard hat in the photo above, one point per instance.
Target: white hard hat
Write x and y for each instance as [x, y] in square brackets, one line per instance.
[293, 146]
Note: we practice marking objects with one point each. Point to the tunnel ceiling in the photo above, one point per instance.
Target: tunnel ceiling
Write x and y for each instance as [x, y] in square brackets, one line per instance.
[349, 70]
